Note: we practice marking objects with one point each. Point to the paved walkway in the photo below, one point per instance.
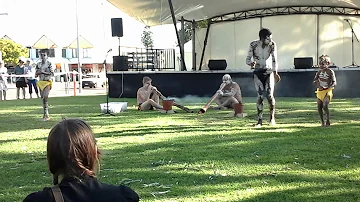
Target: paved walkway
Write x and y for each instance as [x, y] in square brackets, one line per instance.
[59, 90]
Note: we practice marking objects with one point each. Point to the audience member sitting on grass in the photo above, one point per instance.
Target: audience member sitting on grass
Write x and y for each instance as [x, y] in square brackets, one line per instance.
[73, 159]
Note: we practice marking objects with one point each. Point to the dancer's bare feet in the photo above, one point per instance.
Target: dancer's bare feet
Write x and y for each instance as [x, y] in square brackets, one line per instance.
[272, 122]
[322, 124]
[258, 124]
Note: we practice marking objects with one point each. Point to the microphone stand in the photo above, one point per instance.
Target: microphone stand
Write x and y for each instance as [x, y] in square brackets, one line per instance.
[107, 112]
[352, 44]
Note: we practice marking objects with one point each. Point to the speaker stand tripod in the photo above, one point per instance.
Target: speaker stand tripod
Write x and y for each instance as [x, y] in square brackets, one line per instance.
[352, 45]
[107, 112]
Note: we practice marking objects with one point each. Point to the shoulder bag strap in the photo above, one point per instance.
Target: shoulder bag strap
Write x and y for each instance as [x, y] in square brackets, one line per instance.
[57, 193]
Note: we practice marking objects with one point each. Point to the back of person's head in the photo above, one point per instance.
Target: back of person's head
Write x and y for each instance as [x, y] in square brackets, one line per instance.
[146, 79]
[264, 32]
[72, 149]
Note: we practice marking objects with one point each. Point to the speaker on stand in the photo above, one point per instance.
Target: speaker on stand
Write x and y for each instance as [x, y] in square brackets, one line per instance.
[120, 63]
[117, 29]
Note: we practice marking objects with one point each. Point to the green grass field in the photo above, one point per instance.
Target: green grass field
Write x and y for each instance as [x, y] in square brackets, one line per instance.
[191, 157]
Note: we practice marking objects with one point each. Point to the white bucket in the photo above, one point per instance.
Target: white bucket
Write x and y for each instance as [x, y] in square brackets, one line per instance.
[114, 107]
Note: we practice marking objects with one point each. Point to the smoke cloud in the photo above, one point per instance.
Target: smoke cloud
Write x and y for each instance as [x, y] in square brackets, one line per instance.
[190, 99]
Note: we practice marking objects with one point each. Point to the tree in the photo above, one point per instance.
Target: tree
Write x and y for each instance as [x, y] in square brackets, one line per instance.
[146, 38]
[11, 51]
[187, 33]
[188, 29]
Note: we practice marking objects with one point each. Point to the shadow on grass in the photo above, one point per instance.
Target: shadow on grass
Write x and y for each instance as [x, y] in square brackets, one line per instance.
[289, 110]
[289, 162]
[195, 167]
[191, 166]
[282, 158]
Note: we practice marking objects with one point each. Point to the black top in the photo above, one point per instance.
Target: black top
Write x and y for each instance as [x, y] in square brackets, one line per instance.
[88, 189]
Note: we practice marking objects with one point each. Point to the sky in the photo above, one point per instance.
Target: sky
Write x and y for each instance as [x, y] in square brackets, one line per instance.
[28, 20]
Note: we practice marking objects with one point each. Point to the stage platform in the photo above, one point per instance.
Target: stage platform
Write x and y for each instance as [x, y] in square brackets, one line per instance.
[294, 82]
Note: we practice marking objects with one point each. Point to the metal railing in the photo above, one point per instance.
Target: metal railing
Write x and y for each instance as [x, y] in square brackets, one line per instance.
[142, 59]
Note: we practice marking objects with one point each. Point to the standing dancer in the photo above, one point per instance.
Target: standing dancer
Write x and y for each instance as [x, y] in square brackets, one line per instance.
[44, 71]
[326, 81]
[262, 56]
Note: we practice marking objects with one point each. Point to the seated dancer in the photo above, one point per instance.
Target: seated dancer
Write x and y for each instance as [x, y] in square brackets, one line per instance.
[326, 81]
[228, 94]
[45, 72]
[147, 96]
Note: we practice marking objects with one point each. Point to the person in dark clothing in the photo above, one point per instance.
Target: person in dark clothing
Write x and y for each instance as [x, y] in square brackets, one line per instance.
[73, 158]
[21, 81]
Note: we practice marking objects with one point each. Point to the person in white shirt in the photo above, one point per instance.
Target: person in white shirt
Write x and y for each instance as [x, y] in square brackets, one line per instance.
[31, 80]
[3, 86]
[262, 57]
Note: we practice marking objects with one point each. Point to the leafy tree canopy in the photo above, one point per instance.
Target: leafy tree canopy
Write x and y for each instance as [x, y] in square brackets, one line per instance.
[11, 51]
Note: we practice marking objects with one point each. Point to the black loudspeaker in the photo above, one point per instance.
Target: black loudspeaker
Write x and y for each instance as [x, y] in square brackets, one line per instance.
[303, 63]
[217, 64]
[120, 63]
[116, 27]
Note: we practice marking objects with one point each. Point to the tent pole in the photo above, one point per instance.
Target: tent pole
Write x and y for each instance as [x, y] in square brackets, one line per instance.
[317, 37]
[193, 46]
[182, 40]
[205, 43]
[78, 47]
[177, 33]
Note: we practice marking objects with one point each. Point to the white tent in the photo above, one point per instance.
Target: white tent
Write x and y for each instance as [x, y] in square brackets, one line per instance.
[187, 56]
[157, 12]
[301, 28]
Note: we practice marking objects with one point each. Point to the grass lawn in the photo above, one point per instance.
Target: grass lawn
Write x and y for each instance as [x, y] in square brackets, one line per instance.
[191, 157]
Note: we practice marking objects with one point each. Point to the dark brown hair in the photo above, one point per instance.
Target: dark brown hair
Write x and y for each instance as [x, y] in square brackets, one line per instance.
[47, 51]
[264, 32]
[72, 150]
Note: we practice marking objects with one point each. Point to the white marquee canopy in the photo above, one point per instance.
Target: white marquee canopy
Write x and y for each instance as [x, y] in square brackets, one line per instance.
[157, 12]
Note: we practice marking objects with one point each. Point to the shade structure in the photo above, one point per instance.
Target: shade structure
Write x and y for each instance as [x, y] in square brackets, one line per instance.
[83, 43]
[44, 43]
[157, 12]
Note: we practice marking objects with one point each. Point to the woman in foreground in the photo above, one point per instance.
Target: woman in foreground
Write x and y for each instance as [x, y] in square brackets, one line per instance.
[73, 158]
